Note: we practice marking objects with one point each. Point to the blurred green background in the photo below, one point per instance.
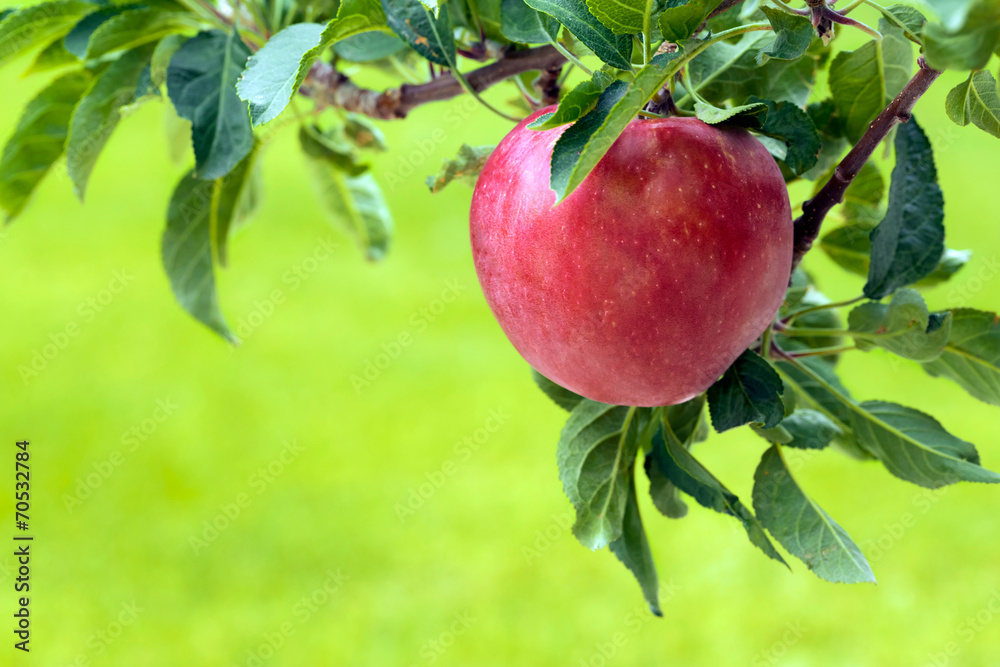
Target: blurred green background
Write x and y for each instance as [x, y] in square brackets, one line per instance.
[484, 571]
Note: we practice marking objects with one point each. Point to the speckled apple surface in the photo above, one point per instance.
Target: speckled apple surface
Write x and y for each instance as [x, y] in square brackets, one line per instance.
[649, 280]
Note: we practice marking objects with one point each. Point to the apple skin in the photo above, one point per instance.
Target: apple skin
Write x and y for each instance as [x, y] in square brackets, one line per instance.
[653, 276]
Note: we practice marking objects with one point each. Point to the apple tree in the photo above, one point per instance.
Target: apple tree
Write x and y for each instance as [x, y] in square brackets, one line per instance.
[591, 72]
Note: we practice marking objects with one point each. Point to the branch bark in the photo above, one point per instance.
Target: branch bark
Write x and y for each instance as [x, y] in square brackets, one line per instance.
[332, 88]
[808, 224]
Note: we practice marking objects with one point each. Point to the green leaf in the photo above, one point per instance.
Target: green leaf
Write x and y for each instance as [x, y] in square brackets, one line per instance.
[971, 357]
[521, 23]
[749, 391]
[135, 27]
[187, 252]
[201, 81]
[810, 429]
[76, 39]
[38, 140]
[596, 456]
[909, 17]
[615, 50]
[431, 37]
[746, 115]
[31, 26]
[561, 396]
[98, 113]
[863, 198]
[368, 46]
[582, 146]
[691, 477]
[271, 75]
[333, 147]
[864, 81]
[850, 247]
[162, 54]
[915, 447]
[355, 201]
[233, 200]
[363, 133]
[683, 423]
[795, 128]
[792, 36]
[909, 242]
[465, 167]
[802, 527]
[968, 47]
[623, 17]
[632, 549]
[952, 12]
[976, 100]
[52, 57]
[680, 22]
[576, 104]
[904, 326]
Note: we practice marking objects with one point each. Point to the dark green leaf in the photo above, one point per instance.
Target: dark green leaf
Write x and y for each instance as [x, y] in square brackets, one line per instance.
[98, 113]
[596, 456]
[691, 477]
[233, 200]
[38, 140]
[615, 50]
[850, 247]
[354, 201]
[465, 167]
[749, 391]
[810, 429]
[971, 358]
[976, 100]
[908, 243]
[368, 46]
[911, 19]
[32, 26]
[270, 78]
[802, 527]
[684, 423]
[201, 80]
[582, 146]
[679, 22]
[431, 37]
[576, 104]
[623, 17]
[792, 35]
[632, 549]
[792, 125]
[561, 396]
[135, 27]
[521, 23]
[904, 326]
[187, 252]
[915, 447]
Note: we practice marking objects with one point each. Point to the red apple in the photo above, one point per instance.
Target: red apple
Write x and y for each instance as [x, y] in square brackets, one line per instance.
[648, 281]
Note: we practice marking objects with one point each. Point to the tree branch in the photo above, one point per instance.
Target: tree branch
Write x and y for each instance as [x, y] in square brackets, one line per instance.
[332, 88]
[814, 210]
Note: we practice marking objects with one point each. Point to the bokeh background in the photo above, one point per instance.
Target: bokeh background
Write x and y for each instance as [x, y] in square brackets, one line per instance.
[484, 570]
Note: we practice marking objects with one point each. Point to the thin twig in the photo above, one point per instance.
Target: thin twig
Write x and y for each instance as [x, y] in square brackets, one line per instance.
[333, 88]
[808, 224]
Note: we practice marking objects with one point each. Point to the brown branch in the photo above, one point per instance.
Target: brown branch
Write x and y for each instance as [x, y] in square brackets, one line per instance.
[547, 84]
[814, 210]
[332, 88]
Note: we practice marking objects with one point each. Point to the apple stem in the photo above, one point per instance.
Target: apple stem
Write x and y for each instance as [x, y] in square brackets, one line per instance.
[808, 224]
